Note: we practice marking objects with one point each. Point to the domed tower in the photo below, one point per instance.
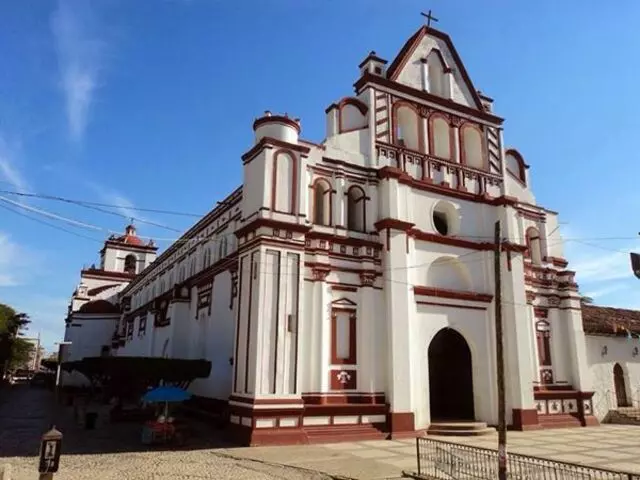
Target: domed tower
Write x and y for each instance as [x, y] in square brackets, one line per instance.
[271, 240]
[273, 169]
[127, 253]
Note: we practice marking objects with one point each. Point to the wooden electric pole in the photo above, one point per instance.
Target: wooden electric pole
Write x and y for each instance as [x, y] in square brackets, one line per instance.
[502, 427]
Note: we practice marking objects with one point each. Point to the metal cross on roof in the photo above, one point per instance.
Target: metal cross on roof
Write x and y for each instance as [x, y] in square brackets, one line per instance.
[429, 17]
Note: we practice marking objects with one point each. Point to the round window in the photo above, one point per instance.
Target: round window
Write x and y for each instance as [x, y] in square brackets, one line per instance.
[445, 218]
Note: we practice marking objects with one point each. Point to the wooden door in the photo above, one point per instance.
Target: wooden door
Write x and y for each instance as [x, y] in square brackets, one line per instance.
[621, 390]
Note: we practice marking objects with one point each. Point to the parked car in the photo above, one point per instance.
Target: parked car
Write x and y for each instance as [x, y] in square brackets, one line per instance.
[21, 376]
[43, 379]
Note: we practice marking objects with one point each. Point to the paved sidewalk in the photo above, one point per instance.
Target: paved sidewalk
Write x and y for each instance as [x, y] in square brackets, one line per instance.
[607, 446]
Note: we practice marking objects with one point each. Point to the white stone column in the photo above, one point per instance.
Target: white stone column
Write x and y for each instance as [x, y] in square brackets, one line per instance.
[424, 68]
[581, 376]
[322, 343]
[339, 203]
[456, 154]
[366, 335]
[400, 313]
[449, 87]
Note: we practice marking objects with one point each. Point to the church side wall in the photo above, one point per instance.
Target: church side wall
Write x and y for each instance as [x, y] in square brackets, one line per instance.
[213, 336]
[603, 352]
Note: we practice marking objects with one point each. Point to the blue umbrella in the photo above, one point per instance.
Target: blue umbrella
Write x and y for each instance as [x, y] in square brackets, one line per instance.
[166, 394]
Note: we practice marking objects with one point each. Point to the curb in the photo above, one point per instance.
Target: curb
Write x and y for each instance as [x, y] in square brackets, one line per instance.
[5, 472]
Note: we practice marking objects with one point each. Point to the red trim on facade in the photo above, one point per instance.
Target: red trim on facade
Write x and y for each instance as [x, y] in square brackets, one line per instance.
[400, 423]
[414, 41]
[362, 108]
[352, 357]
[524, 419]
[269, 142]
[395, 125]
[483, 145]
[454, 294]
[393, 223]
[452, 305]
[431, 132]
[267, 222]
[343, 379]
[294, 185]
[342, 398]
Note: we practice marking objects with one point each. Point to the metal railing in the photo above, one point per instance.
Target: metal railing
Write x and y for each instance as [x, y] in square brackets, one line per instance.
[440, 460]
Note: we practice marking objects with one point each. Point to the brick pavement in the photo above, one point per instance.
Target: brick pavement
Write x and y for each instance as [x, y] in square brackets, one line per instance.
[115, 451]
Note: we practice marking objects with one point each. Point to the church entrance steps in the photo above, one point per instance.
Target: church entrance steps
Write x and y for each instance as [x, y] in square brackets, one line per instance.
[345, 433]
[459, 429]
[623, 416]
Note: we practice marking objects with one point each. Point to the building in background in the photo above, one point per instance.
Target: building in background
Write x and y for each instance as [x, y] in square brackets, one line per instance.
[93, 311]
[346, 289]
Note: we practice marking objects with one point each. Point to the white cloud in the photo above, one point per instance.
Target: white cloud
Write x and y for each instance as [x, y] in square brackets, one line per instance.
[124, 206]
[8, 171]
[80, 54]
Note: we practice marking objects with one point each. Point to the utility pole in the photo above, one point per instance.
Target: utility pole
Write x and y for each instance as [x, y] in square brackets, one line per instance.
[502, 427]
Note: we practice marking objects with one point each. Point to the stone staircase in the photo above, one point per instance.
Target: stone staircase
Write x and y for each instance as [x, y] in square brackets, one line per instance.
[460, 429]
[623, 416]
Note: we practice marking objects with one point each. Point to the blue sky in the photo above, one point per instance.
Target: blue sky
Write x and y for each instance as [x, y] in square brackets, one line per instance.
[149, 103]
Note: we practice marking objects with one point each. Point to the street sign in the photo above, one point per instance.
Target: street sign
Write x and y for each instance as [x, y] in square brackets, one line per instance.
[50, 448]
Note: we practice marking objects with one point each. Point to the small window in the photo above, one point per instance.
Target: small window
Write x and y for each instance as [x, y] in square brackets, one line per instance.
[377, 70]
[130, 264]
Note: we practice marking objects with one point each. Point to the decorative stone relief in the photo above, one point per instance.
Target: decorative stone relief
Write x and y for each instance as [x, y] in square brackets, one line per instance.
[570, 406]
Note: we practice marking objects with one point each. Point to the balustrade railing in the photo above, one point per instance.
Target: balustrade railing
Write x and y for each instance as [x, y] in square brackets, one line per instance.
[440, 460]
[425, 167]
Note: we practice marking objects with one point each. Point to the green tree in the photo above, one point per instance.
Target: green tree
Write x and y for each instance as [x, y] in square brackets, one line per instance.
[12, 324]
[21, 351]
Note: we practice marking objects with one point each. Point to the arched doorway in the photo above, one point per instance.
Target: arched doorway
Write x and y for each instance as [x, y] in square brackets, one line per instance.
[450, 377]
[621, 389]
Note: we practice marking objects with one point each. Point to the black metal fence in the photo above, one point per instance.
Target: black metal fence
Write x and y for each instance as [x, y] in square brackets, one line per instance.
[440, 460]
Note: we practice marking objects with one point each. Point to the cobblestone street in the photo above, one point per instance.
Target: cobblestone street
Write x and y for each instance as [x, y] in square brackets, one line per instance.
[113, 451]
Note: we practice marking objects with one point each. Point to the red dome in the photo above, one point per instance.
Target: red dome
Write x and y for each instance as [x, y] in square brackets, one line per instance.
[130, 237]
[99, 306]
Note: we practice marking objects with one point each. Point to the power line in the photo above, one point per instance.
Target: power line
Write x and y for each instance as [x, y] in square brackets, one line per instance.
[98, 204]
[52, 225]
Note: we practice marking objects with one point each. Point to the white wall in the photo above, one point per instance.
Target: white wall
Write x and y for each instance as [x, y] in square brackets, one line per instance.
[619, 350]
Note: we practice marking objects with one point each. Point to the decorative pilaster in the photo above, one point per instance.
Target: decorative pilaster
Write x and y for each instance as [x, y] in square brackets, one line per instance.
[321, 351]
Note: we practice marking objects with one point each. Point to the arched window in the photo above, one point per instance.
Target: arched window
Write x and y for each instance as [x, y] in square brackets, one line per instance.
[438, 84]
[322, 202]
[207, 258]
[407, 127]
[534, 251]
[222, 248]
[356, 205]
[471, 139]
[130, 263]
[283, 192]
[440, 137]
[516, 165]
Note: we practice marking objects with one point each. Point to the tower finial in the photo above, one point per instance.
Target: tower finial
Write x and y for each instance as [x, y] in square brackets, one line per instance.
[429, 17]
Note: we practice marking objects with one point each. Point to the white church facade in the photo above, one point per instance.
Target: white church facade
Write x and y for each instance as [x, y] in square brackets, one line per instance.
[346, 289]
